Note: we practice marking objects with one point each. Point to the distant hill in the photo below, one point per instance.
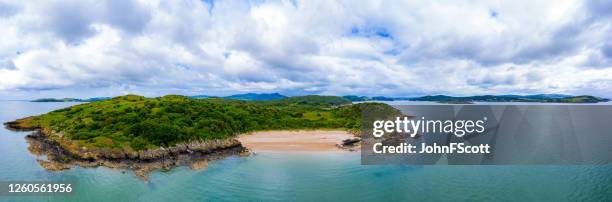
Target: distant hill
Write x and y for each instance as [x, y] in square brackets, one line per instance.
[578, 99]
[313, 100]
[93, 99]
[246, 96]
[355, 98]
[539, 96]
[201, 96]
[381, 98]
[256, 96]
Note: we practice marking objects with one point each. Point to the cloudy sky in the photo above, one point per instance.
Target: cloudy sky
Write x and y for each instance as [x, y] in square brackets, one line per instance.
[88, 48]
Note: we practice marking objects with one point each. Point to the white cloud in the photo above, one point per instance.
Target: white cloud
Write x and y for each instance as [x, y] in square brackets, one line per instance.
[105, 48]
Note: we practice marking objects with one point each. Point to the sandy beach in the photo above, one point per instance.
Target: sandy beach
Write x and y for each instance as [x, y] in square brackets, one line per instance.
[303, 140]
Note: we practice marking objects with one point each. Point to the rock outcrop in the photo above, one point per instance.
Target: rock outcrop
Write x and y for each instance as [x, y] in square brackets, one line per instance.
[63, 154]
[351, 144]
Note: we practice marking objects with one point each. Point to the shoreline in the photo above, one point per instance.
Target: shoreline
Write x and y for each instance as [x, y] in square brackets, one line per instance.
[64, 154]
[57, 159]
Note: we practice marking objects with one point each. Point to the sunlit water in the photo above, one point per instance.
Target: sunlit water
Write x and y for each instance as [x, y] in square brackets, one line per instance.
[301, 177]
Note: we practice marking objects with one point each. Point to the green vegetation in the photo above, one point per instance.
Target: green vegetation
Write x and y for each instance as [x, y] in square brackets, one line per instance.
[317, 115]
[135, 123]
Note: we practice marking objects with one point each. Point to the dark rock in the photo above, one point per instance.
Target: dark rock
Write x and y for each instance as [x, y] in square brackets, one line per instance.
[350, 142]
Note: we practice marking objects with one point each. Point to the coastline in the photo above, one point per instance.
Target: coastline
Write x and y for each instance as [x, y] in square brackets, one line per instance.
[64, 154]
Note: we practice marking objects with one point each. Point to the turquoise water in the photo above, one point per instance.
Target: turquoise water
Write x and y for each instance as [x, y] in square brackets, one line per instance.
[301, 177]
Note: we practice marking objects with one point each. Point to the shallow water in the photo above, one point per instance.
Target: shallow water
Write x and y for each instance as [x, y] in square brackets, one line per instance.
[300, 176]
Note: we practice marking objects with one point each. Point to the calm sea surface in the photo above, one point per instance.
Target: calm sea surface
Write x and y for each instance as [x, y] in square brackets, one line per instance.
[300, 177]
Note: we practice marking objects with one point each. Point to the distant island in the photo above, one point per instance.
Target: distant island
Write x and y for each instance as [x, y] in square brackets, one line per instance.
[70, 99]
[151, 133]
[543, 98]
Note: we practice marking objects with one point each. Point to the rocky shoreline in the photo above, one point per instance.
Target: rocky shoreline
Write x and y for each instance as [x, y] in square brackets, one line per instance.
[62, 154]
[18, 126]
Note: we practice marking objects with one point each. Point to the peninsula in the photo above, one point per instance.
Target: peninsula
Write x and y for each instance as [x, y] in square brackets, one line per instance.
[146, 134]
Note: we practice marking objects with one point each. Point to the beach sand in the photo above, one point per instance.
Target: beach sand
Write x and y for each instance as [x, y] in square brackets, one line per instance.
[303, 140]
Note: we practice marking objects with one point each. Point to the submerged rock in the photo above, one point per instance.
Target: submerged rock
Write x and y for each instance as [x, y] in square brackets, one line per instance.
[198, 165]
[53, 166]
[244, 153]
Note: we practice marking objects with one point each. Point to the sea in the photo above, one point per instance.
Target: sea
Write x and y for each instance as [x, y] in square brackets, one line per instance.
[315, 176]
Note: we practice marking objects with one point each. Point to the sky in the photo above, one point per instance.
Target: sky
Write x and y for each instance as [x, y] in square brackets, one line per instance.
[85, 48]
